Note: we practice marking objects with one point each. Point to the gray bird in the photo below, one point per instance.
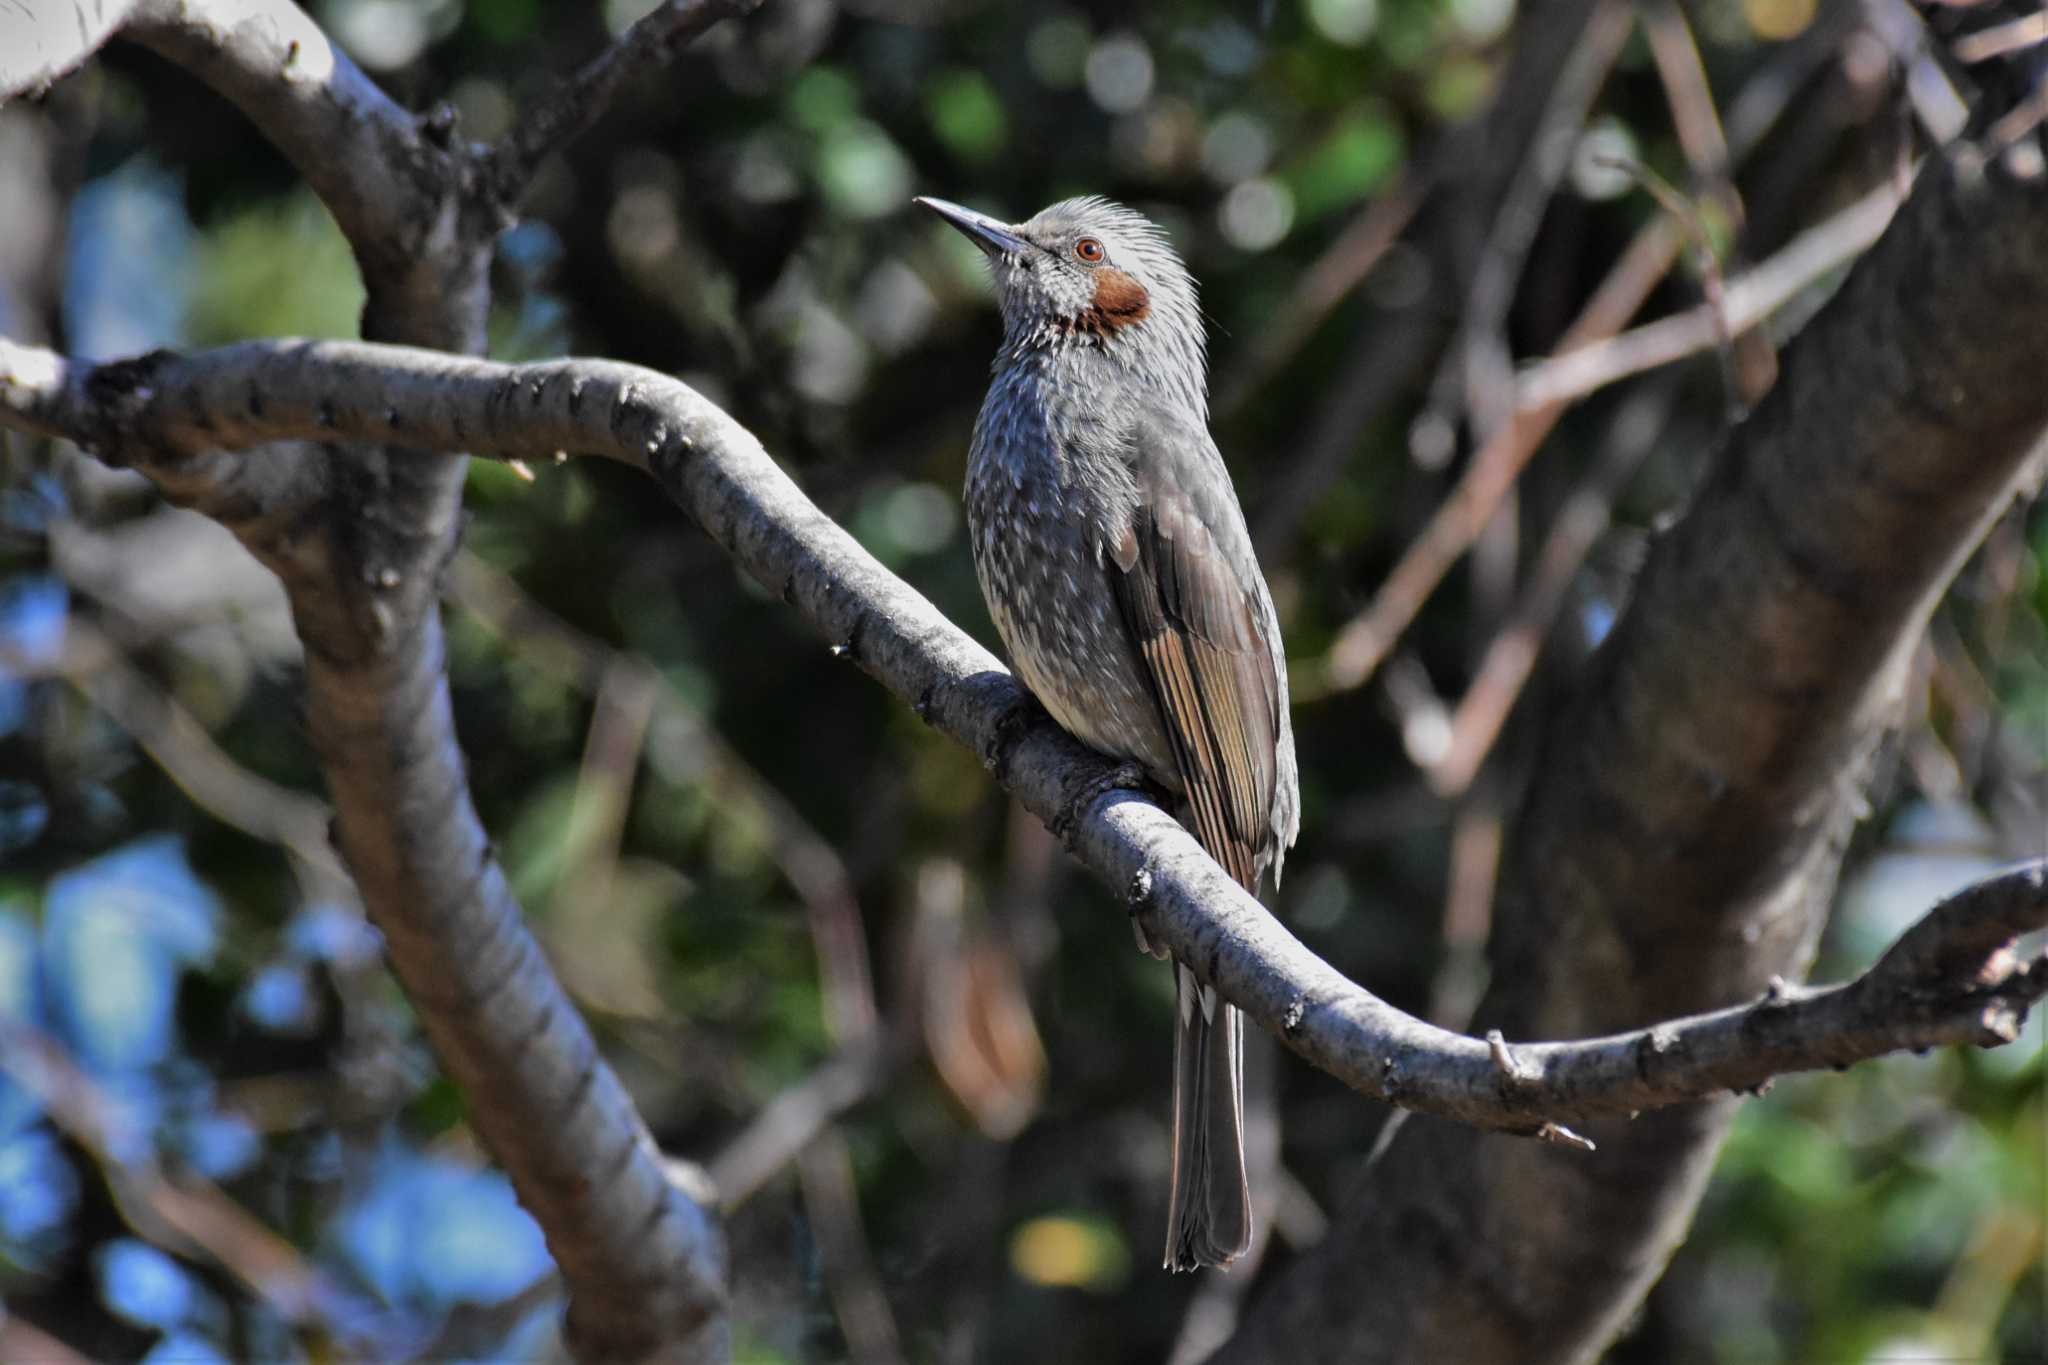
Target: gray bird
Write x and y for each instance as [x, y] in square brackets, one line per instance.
[1115, 561]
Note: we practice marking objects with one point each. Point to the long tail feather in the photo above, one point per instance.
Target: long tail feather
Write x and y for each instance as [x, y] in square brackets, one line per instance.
[1209, 1213]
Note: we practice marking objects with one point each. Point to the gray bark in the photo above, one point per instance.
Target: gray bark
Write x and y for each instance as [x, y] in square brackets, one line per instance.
[1679, 845]
[1675, 854]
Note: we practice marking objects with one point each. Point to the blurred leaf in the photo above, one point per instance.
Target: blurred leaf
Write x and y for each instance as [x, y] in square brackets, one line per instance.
[822, 100]
[276, 268]
[967, 115]
[504, 21]
[862, 171]
[1070, 1251]
[978, 1026]
[1350, 161]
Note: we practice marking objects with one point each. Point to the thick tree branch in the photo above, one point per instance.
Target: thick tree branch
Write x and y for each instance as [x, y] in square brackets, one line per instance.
[399, 188]
[41, 43]
[358, 543]
[1679, 843]
[1688, 856]
[165, 411]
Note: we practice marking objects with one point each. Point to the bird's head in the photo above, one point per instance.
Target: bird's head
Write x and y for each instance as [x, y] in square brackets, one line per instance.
[1090, 275]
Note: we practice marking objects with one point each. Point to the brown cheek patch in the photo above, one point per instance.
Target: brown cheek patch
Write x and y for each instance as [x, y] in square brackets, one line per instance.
[1120, 300]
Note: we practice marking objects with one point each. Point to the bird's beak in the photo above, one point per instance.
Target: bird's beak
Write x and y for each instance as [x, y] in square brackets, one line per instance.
[993, 237]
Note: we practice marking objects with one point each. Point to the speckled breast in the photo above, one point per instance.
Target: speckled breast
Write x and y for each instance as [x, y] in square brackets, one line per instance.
[1036, 552]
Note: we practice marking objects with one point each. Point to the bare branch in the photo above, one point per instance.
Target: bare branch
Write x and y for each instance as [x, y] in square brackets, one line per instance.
[1695, 792]
[1750, 298]
[1362, 643]
[2002, 39]
[789, 1122]
[1511, 654]
[190, 1215]
[1477, 373]
[358, 544]
[149, 410]
[565, 113]
[40, 43]
[808, 861]
[1465, 181]
[174, 737]
[1341, 268]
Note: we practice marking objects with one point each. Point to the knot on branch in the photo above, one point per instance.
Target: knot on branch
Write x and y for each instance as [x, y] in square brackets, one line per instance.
[1125, 776]
[1000, 745]
[119, 394]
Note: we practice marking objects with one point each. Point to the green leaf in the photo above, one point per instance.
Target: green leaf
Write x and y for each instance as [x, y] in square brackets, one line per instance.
[966, 115]
[1354, 158]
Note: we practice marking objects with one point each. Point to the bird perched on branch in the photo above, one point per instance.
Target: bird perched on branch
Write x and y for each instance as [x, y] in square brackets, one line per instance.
[1115, 561]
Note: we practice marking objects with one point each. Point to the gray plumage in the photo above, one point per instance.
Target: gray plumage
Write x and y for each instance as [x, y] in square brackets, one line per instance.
[1116, 563]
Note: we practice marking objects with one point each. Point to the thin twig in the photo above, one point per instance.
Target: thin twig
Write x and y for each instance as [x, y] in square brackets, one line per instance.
[172, 736]
[1317, 292]
[1511, 655]
[620, 981]
[189, 1214]
[810, 864]
[789, 1122]
[1999, 39]
[558, 118]
[1362, 643]
[825, 1170]
[1749, 362]
[1690, 99]
[1579, 370]
[1477, 366]
[22, 1340]
[1464, 181]
[1359, 647]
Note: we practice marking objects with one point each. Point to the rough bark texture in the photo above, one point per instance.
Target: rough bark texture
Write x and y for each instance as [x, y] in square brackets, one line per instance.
[1675, 854]
[359, 538]
[168, 411]
[1680, 841]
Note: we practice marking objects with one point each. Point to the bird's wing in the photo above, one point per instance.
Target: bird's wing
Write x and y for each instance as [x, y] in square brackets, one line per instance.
[1179, 569]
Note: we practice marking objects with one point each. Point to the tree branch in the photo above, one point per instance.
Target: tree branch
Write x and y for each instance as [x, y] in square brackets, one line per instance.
[1750, 299]
[164, 411]
[1693, 796]
[400, 188]
[41, 43]
[1591, 356]
[568, 111]
[188, 1214]
[359, 543]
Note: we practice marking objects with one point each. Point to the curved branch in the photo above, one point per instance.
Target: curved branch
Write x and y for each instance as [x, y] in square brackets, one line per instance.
[1693, 796]
[163, 411]
[359, 543]
[401, 189]
[42, 43]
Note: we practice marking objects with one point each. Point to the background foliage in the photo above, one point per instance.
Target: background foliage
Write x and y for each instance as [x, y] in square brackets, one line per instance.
[685, 787]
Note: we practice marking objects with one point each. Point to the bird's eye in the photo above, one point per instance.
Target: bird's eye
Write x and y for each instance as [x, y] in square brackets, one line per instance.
[1088, 251]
